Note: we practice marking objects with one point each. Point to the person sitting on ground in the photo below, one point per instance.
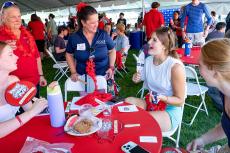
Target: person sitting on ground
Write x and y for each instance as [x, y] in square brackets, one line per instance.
[8, 121]
[219, 31]
[214, 67]
[121, 45]
[164, 76]
[59, 44]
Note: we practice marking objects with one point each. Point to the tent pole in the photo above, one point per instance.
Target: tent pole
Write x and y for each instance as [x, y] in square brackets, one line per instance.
[143, 8]
[143, 14]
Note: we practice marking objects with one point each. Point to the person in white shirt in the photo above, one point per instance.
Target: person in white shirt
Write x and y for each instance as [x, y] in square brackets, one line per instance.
[164, 75]
[8, 121]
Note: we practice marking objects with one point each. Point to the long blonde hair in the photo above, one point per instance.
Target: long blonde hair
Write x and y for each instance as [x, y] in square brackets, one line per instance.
[216, 56]
[167, 38]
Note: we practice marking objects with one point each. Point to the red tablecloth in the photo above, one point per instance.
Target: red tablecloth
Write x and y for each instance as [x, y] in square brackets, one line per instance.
[40, 128]
[193, 58]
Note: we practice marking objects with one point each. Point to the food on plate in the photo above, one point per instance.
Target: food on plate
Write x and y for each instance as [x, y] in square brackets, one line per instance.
[83, 126]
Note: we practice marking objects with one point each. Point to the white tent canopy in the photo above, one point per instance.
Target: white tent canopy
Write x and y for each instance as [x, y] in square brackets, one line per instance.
[131, 8]
[220, 6]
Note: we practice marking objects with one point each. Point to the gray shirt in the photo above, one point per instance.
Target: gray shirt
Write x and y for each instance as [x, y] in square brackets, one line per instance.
[214, 35]
[53, 26]
[121, 42]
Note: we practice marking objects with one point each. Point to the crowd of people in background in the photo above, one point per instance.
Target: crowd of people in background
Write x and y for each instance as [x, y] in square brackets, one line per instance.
[92, 35]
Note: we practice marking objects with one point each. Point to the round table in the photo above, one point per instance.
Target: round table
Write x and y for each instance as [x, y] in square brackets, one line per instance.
[39, 127]
[193, 58]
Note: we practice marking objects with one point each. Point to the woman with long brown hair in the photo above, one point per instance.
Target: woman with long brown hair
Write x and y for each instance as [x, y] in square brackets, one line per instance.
[164, 76]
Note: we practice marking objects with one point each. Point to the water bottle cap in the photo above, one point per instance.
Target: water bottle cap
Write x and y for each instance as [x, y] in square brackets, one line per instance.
[53, 88]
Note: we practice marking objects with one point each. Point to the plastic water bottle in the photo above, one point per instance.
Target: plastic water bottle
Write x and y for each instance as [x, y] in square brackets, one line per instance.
[55, 105]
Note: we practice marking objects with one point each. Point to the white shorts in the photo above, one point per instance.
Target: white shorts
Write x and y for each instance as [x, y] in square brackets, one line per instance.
[197, 39]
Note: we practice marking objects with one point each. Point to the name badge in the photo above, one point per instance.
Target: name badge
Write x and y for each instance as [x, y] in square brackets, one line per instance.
[81, 46]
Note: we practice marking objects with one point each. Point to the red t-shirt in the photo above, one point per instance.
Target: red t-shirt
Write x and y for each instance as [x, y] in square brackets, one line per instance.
[101, 25]
[153, 20]
[27, 68]
[37, 29]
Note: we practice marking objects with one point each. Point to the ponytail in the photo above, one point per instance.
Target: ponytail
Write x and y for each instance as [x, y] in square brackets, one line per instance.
[172, 49]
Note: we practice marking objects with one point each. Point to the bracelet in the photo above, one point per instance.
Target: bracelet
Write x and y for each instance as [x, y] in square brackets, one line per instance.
[19, 120]
[41, 75]
[74, 73]
[112, 68]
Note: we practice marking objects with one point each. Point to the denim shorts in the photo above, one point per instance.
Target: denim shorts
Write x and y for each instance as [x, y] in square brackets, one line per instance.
[175, 114]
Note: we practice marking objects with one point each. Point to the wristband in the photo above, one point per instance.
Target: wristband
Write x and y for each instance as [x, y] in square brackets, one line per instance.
[112, 68]
[41, 75]
[74, 73]
[19, 120]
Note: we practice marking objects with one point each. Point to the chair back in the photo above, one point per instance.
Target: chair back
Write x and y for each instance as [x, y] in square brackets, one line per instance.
[73, 86]
[101, 84]
[191, 74]
[49, 51]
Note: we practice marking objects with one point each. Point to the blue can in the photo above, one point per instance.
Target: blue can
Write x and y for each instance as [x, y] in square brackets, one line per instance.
[187, 49]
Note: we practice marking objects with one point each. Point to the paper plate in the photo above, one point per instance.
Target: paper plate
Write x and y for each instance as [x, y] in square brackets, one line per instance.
[97, 124]
[19, 93]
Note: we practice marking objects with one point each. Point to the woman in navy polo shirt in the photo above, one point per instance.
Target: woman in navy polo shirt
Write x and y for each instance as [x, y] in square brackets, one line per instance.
[87, 42]
[214, 67]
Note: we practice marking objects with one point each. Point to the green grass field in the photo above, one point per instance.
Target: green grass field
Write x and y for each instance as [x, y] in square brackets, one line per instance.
[201, 124]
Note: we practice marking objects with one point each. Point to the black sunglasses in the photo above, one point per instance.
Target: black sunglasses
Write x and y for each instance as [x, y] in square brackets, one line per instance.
[8, 4]
[91, 51]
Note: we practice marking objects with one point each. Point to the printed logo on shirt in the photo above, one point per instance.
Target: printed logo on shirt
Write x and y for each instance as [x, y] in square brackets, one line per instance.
[81, 46]
[100, 42]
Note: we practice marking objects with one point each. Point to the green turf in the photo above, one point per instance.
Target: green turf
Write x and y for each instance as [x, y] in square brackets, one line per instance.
[201, 124]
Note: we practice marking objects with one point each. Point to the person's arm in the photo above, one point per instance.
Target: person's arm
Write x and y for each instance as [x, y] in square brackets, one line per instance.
[71, 63]
[11, 125]
[112, 57]
[59, 50]
[178, 86]
[182, 23]
[211, 136]
[162, 22]
[209, 20]
[42, 79]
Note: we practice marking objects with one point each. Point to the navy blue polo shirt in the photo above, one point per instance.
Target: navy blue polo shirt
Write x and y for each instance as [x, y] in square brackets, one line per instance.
[79, 46]
[225, 121]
